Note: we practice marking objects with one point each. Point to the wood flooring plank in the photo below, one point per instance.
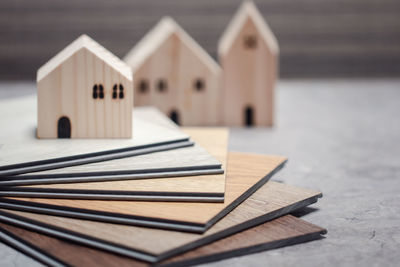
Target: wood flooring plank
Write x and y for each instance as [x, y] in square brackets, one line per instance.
[245, 174]
[283, 231]
[269, 202]
[21, 148]
[213, 147]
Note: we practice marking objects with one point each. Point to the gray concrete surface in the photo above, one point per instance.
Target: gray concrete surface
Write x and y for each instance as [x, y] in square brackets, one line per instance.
[342, 137]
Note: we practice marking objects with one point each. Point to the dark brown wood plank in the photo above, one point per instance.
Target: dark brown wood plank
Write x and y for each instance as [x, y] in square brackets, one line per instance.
[283, 231]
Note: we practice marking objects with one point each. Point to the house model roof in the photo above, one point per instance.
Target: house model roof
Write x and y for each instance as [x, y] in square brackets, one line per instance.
[247, 11]
[85, 42]
[157, 36]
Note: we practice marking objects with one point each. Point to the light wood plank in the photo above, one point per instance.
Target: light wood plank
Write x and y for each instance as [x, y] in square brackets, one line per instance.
[245, 172]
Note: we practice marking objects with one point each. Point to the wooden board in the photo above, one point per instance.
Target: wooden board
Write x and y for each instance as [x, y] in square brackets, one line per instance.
[269, 202]
[21, 151]
[207, 157]
[245, 174]
[280, 232]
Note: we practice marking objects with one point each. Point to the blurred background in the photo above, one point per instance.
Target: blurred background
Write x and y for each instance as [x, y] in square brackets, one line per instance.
[318, 38]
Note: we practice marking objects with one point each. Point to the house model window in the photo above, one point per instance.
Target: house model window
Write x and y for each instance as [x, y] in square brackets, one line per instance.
[98, 91]
[250, 41]
[162, 85]
[143, 86]
[118, 91]
[199, 85]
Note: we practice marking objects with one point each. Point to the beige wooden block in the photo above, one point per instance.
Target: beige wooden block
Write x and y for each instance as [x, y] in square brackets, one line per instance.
[173, 73]
[248, 54]
[76, 96]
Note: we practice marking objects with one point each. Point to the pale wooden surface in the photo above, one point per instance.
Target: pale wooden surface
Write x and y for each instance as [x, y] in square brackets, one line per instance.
[285, 230]
[183, 63]
[272, 197]
[65, 89]
[248, 54]
[212, 140]
[206, 152]
[243, 172]
[19, 144]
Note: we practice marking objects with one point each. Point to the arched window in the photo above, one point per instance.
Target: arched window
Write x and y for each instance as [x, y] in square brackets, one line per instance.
[101, 91]
[162, 85]
[95, 91]
[143, 86]
[199, 85]
[118, 91]
[250, 41]
[121, 91]
[114, 91]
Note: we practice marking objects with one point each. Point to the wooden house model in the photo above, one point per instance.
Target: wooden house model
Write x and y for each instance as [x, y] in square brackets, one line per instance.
[85, 92]
[172, 72]
[248, 54]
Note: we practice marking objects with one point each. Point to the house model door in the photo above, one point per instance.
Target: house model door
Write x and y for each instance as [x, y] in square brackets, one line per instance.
[64, 128]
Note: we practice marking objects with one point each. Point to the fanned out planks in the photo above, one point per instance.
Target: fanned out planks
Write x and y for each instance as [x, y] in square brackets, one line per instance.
[22, 152]
[201, 188]
[151, 245]
[245, 174]
[280, 232]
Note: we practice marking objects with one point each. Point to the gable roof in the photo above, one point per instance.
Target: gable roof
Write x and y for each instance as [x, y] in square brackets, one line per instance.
[84, 41]
[157, 36]
[247, 10]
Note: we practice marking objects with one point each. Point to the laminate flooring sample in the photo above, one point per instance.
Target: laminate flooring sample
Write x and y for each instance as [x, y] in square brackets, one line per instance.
[190, 187]
[21, 151]
[280, 232]
[245, 174]
[151, 245]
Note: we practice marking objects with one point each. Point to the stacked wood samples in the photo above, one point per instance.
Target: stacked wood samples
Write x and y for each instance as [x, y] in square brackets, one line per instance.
[172, 72]
[269, 202]
[245, 174]
[283, 231]
[23, 152]
[248, 54]
[85, 92]
[201, 188]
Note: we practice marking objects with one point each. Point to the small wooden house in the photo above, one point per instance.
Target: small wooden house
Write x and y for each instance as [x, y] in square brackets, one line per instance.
[248, 54]
[172, 72]
[85, 92]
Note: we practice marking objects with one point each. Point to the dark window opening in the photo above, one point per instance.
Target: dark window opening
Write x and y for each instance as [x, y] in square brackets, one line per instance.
[250, 42]
[174, 116]
[162, 85]
[95, 94]
[114, 93]
[64, 128]
[249, 116]
[143, 86]
[121, 91]
[199, 85]
[101, 91]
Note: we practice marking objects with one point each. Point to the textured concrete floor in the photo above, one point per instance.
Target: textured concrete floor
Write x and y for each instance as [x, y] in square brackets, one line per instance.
[343, 138]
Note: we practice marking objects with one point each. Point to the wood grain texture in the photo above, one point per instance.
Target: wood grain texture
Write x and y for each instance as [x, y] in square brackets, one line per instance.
[283, 231]
[245, 174]
[209, 153]
[84, 92]
[191, 78]
[269, 202]
[248, 53]
[200, 188]
[20, 148]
